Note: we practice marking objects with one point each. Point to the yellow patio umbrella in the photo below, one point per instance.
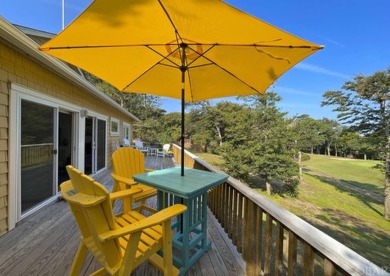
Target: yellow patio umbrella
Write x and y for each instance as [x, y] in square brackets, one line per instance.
[191, 50]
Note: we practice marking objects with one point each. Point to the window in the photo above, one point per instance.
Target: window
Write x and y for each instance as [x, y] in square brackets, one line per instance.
[114, 127]
[127, 131]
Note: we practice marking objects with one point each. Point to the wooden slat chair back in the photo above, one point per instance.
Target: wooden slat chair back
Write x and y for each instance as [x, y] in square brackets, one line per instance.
[127, 162]
[119, 243]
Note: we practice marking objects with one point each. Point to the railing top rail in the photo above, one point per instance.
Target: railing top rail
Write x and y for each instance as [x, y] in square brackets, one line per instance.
[37, 145]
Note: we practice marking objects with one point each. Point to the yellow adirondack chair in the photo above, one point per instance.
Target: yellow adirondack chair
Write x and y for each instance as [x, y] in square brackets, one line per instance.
[126, 162]
[119, 243]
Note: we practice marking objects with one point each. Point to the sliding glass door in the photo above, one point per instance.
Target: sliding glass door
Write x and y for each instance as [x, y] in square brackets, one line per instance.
[37, 150]
[95, 145]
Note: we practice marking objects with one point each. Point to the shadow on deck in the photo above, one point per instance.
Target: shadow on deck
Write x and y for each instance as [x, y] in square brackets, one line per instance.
[45, 243]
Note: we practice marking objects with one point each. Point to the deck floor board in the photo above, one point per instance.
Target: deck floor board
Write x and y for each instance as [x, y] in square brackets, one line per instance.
[45, 242]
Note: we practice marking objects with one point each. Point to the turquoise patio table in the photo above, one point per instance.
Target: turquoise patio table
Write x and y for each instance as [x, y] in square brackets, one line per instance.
[190, 238]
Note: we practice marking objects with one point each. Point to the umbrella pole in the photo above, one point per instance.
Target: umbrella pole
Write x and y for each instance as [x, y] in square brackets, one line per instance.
[183, 69]
[182, 128]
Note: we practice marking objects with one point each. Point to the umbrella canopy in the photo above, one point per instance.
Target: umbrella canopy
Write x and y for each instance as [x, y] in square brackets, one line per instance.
[186, 49]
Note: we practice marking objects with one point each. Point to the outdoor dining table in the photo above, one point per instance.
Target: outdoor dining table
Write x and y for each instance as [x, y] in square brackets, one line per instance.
[190, 239]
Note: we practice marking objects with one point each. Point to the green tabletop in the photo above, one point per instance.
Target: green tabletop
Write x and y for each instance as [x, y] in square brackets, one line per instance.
[193, 182]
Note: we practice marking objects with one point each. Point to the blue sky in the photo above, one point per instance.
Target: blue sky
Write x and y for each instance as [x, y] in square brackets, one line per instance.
[355, 33]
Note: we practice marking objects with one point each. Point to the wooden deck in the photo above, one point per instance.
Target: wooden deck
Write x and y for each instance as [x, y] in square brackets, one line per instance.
[46, 242]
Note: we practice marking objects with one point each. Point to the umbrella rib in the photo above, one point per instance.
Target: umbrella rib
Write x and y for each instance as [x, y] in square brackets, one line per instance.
[200, 54]
[164, 57]
[161, 44]
[158, 63]
[217, 65]
[170, 20]
[230, 73]
[139, 77]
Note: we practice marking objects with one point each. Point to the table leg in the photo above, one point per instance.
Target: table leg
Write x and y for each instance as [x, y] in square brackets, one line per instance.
[206, 244]
[186, 236]
[160, 200]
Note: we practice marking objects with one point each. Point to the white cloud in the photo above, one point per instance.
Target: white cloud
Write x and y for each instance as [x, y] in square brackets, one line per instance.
[289, 90]
[334, 42]
[320, 70]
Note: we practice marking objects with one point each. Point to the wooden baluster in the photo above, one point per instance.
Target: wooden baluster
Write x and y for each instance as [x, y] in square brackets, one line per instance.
[292, 253]
[308, 262]
[229, 211]
[225, 203]
[258, 239]
[248, 239]
[234, 216]
[268, 245]
[239, 222]
[219, 200]
[279, 249]
[329, 268]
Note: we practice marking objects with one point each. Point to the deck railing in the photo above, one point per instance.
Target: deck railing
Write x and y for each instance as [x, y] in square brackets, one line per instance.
[36, 154]
[272, 240]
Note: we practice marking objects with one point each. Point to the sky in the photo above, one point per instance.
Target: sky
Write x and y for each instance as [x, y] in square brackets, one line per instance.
[355, 33]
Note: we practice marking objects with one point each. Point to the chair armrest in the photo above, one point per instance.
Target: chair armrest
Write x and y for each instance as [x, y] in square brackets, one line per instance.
[126, 180]
[125, 193]
[158, 218]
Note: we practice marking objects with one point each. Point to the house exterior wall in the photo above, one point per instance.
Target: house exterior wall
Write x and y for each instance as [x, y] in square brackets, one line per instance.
[18, 68]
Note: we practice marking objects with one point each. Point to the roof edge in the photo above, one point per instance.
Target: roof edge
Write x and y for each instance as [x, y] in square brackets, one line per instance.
[17, 38]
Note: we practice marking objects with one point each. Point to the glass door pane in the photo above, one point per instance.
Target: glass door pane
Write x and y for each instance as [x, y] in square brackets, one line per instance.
[37, 159]
[65, 127]
[89, 145]
[101, 144]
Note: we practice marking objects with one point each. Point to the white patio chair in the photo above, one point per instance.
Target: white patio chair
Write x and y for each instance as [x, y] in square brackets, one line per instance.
[160, 152]
[166, 148]
[126, 142]
[139, 145]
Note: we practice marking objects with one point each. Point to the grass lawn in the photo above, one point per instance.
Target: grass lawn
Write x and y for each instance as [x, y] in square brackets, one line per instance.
[212, 159]
[343, 198]
[359, 173]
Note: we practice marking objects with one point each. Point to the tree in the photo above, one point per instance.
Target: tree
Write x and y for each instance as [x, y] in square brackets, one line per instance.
[349, 143]
[211, 126]
[364, 104]
[141, 105]
[144, 107]
[170, 130]
[308, 133]
[200, 126]
[331, 131]
[263, 145]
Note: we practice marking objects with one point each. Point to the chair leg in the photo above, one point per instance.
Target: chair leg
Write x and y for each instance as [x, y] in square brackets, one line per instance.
[167, 248]
[78, 260]
[129, 259]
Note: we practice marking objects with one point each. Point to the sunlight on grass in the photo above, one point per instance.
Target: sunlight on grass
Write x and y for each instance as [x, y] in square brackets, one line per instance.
[353, 170]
